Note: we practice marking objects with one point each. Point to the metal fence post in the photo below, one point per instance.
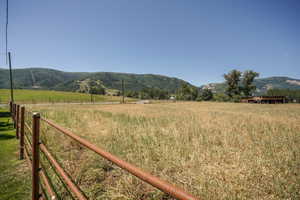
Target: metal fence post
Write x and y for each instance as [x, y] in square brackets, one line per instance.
[18, 121]
[35, 155]
[22, 132]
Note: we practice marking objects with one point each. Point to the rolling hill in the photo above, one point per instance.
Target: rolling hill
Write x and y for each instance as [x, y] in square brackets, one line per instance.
[49, 79]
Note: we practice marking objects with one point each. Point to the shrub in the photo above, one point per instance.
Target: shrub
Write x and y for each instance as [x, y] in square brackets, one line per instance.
[221, 97]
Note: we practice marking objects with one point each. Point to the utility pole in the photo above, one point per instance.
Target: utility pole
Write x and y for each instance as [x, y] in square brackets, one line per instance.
[123, 91]
[11, 79]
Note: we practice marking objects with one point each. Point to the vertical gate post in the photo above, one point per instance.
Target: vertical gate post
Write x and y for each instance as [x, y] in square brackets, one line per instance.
[35, 155]
[22, 132]
[18, 121]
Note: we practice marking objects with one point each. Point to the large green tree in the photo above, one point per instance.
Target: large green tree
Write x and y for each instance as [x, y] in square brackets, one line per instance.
[232, 80]
[247, 82]
[239, 83]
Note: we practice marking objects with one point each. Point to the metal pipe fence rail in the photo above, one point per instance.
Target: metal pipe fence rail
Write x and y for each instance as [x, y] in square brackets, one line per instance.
[32, 147]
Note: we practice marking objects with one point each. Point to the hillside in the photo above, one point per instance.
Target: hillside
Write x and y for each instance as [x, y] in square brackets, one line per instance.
[262, 84]
[49, 79]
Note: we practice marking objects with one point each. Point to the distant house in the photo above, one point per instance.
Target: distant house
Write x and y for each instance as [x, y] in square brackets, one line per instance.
[264, 99]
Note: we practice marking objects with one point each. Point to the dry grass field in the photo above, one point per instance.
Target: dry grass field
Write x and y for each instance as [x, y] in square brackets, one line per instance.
[213, 150]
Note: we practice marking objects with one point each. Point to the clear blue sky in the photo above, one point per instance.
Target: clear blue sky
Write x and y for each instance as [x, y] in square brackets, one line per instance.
[196, 40]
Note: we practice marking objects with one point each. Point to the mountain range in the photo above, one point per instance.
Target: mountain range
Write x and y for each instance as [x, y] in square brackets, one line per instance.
[50, 79]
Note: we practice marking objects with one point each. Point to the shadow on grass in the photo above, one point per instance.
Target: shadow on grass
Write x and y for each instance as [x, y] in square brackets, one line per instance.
[5, 114]
[6, 137]
[5, 125]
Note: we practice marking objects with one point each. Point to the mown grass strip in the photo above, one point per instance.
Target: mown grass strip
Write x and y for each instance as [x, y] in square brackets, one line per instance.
[14, 173]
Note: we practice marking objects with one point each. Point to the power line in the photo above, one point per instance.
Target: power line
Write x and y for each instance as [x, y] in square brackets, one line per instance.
[6, 30]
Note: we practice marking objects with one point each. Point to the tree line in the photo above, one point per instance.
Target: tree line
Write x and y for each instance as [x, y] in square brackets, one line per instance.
[186, 92]
[238, 84]
[149, 93]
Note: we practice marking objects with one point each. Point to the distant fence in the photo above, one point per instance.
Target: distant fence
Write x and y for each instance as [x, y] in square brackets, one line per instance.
[31, 146]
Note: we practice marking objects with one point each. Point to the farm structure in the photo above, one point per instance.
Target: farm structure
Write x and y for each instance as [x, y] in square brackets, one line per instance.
[264, 99]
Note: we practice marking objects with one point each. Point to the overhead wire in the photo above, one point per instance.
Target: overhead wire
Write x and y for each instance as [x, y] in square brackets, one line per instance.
[6, 32]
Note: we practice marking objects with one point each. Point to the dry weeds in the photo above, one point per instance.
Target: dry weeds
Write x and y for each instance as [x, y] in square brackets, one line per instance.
[213, 150]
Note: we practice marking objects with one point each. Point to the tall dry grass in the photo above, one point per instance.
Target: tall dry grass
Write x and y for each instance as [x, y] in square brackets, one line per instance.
[213, 150]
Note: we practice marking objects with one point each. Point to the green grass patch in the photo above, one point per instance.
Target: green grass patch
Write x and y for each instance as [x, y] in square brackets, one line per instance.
[49, 96]
[14, 174]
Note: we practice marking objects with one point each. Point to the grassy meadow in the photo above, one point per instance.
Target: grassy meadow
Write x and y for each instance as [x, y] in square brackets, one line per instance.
[48, 96]
[213, 150]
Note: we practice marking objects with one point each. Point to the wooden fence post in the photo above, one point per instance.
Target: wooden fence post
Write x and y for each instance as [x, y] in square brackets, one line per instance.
[22, 132]
[35, 156]
[18, 121]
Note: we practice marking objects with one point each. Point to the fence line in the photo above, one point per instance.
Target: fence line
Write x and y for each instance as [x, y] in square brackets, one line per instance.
[45, 179]
[44, 189]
